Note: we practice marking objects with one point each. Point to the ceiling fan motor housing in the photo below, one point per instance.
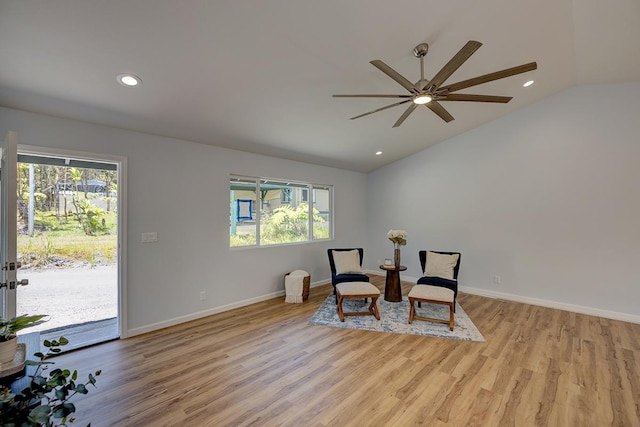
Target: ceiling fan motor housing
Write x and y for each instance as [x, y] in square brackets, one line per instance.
[421, 50]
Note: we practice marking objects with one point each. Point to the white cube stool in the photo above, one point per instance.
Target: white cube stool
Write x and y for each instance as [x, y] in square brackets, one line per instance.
[352, 290]
[433, 295]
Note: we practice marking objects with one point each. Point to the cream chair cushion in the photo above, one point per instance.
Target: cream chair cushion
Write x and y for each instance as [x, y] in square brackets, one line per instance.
[435, 293]
[357, 288]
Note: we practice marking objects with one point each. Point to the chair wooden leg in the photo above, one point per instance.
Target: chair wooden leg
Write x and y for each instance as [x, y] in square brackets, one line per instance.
[340, 311]
[451, 310]
[373, 307]
[412, 311]
[414, 316]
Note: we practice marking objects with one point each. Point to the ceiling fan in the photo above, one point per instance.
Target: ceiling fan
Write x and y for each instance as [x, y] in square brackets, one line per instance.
[430, 92]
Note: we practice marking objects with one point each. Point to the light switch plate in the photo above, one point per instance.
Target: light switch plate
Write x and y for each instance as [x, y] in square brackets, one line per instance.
[149, 237]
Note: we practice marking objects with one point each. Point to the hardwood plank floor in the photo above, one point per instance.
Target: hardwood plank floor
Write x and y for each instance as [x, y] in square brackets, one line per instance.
[263, 365]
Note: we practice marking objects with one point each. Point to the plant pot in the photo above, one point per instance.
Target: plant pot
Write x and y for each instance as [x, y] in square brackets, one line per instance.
[8, 350]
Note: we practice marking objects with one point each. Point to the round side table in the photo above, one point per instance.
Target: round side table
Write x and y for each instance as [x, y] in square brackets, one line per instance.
[392, 287]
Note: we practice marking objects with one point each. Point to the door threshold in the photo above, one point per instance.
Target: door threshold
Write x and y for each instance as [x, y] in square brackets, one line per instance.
[84, 334]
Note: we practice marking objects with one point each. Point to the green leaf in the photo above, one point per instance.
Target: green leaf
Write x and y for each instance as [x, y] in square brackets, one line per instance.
[92, 379]
[40, 414]
[63, 410]
[40, 381]
[61, 393]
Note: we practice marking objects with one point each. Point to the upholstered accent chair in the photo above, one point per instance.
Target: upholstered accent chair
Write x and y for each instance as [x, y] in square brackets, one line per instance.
[440, 270]
[346, 266]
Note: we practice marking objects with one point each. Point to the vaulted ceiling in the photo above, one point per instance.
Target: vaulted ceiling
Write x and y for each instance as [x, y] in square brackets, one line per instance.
[259, 76]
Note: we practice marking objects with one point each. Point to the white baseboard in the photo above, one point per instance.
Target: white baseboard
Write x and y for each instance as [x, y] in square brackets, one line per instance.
[592, 311]
[625, 317]
[320, 282]
[608, 314]
[209, 312]
[201, 314]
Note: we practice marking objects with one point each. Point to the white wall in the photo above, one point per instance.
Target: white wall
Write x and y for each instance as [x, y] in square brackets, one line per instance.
[180, 190]
[548, 198]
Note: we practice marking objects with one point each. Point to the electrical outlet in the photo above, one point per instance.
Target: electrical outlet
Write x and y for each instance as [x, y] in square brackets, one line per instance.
[497, 280]
[203, 295]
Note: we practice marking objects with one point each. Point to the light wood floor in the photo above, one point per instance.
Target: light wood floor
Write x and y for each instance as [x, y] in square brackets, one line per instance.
[263, 365]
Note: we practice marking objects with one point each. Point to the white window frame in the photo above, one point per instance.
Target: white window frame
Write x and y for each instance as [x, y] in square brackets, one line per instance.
[310, 189]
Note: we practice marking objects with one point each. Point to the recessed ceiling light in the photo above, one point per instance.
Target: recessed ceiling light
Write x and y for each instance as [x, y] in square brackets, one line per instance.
[527, 84]
[129, 80]
[378, 153]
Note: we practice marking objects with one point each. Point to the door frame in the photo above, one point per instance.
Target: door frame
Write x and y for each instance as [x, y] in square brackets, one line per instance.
[121, 161]
[8, 248]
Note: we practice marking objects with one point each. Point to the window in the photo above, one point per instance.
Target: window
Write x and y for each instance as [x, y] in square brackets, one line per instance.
[285, 195]
[242, 218]
[321, 212]
[268, 212]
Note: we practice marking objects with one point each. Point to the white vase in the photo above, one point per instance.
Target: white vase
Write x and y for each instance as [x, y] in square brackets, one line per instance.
[8, 350]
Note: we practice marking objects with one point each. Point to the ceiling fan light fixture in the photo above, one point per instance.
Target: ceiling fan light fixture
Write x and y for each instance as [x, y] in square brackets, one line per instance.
[422, 99]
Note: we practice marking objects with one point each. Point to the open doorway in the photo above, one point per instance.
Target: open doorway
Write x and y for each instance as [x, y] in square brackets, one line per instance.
[67, 243]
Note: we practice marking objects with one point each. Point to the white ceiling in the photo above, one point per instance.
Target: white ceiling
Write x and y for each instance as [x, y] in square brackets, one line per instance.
[258, 75]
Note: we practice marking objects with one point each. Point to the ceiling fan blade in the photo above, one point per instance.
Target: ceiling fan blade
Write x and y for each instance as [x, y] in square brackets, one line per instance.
[475, 98]
[371, 96]
[454, 63]
[380, 109]
[404, 115]
[394, 75]
[490, 77]
[439, 110]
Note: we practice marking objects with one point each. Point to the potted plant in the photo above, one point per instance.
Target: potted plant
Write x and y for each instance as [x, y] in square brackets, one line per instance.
[46, 400]
[9, 329]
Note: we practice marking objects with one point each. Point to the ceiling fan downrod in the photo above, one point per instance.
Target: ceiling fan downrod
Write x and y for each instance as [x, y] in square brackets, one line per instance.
[422, 97]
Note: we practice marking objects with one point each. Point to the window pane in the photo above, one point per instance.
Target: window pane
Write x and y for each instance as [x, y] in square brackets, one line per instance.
[243, 225]
[321, 212]
[284, 216]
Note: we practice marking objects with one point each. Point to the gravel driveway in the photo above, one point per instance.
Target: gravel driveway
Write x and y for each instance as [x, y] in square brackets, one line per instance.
[70, 295]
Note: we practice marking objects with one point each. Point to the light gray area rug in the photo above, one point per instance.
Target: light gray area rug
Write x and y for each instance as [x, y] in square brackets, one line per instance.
[394, 317]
